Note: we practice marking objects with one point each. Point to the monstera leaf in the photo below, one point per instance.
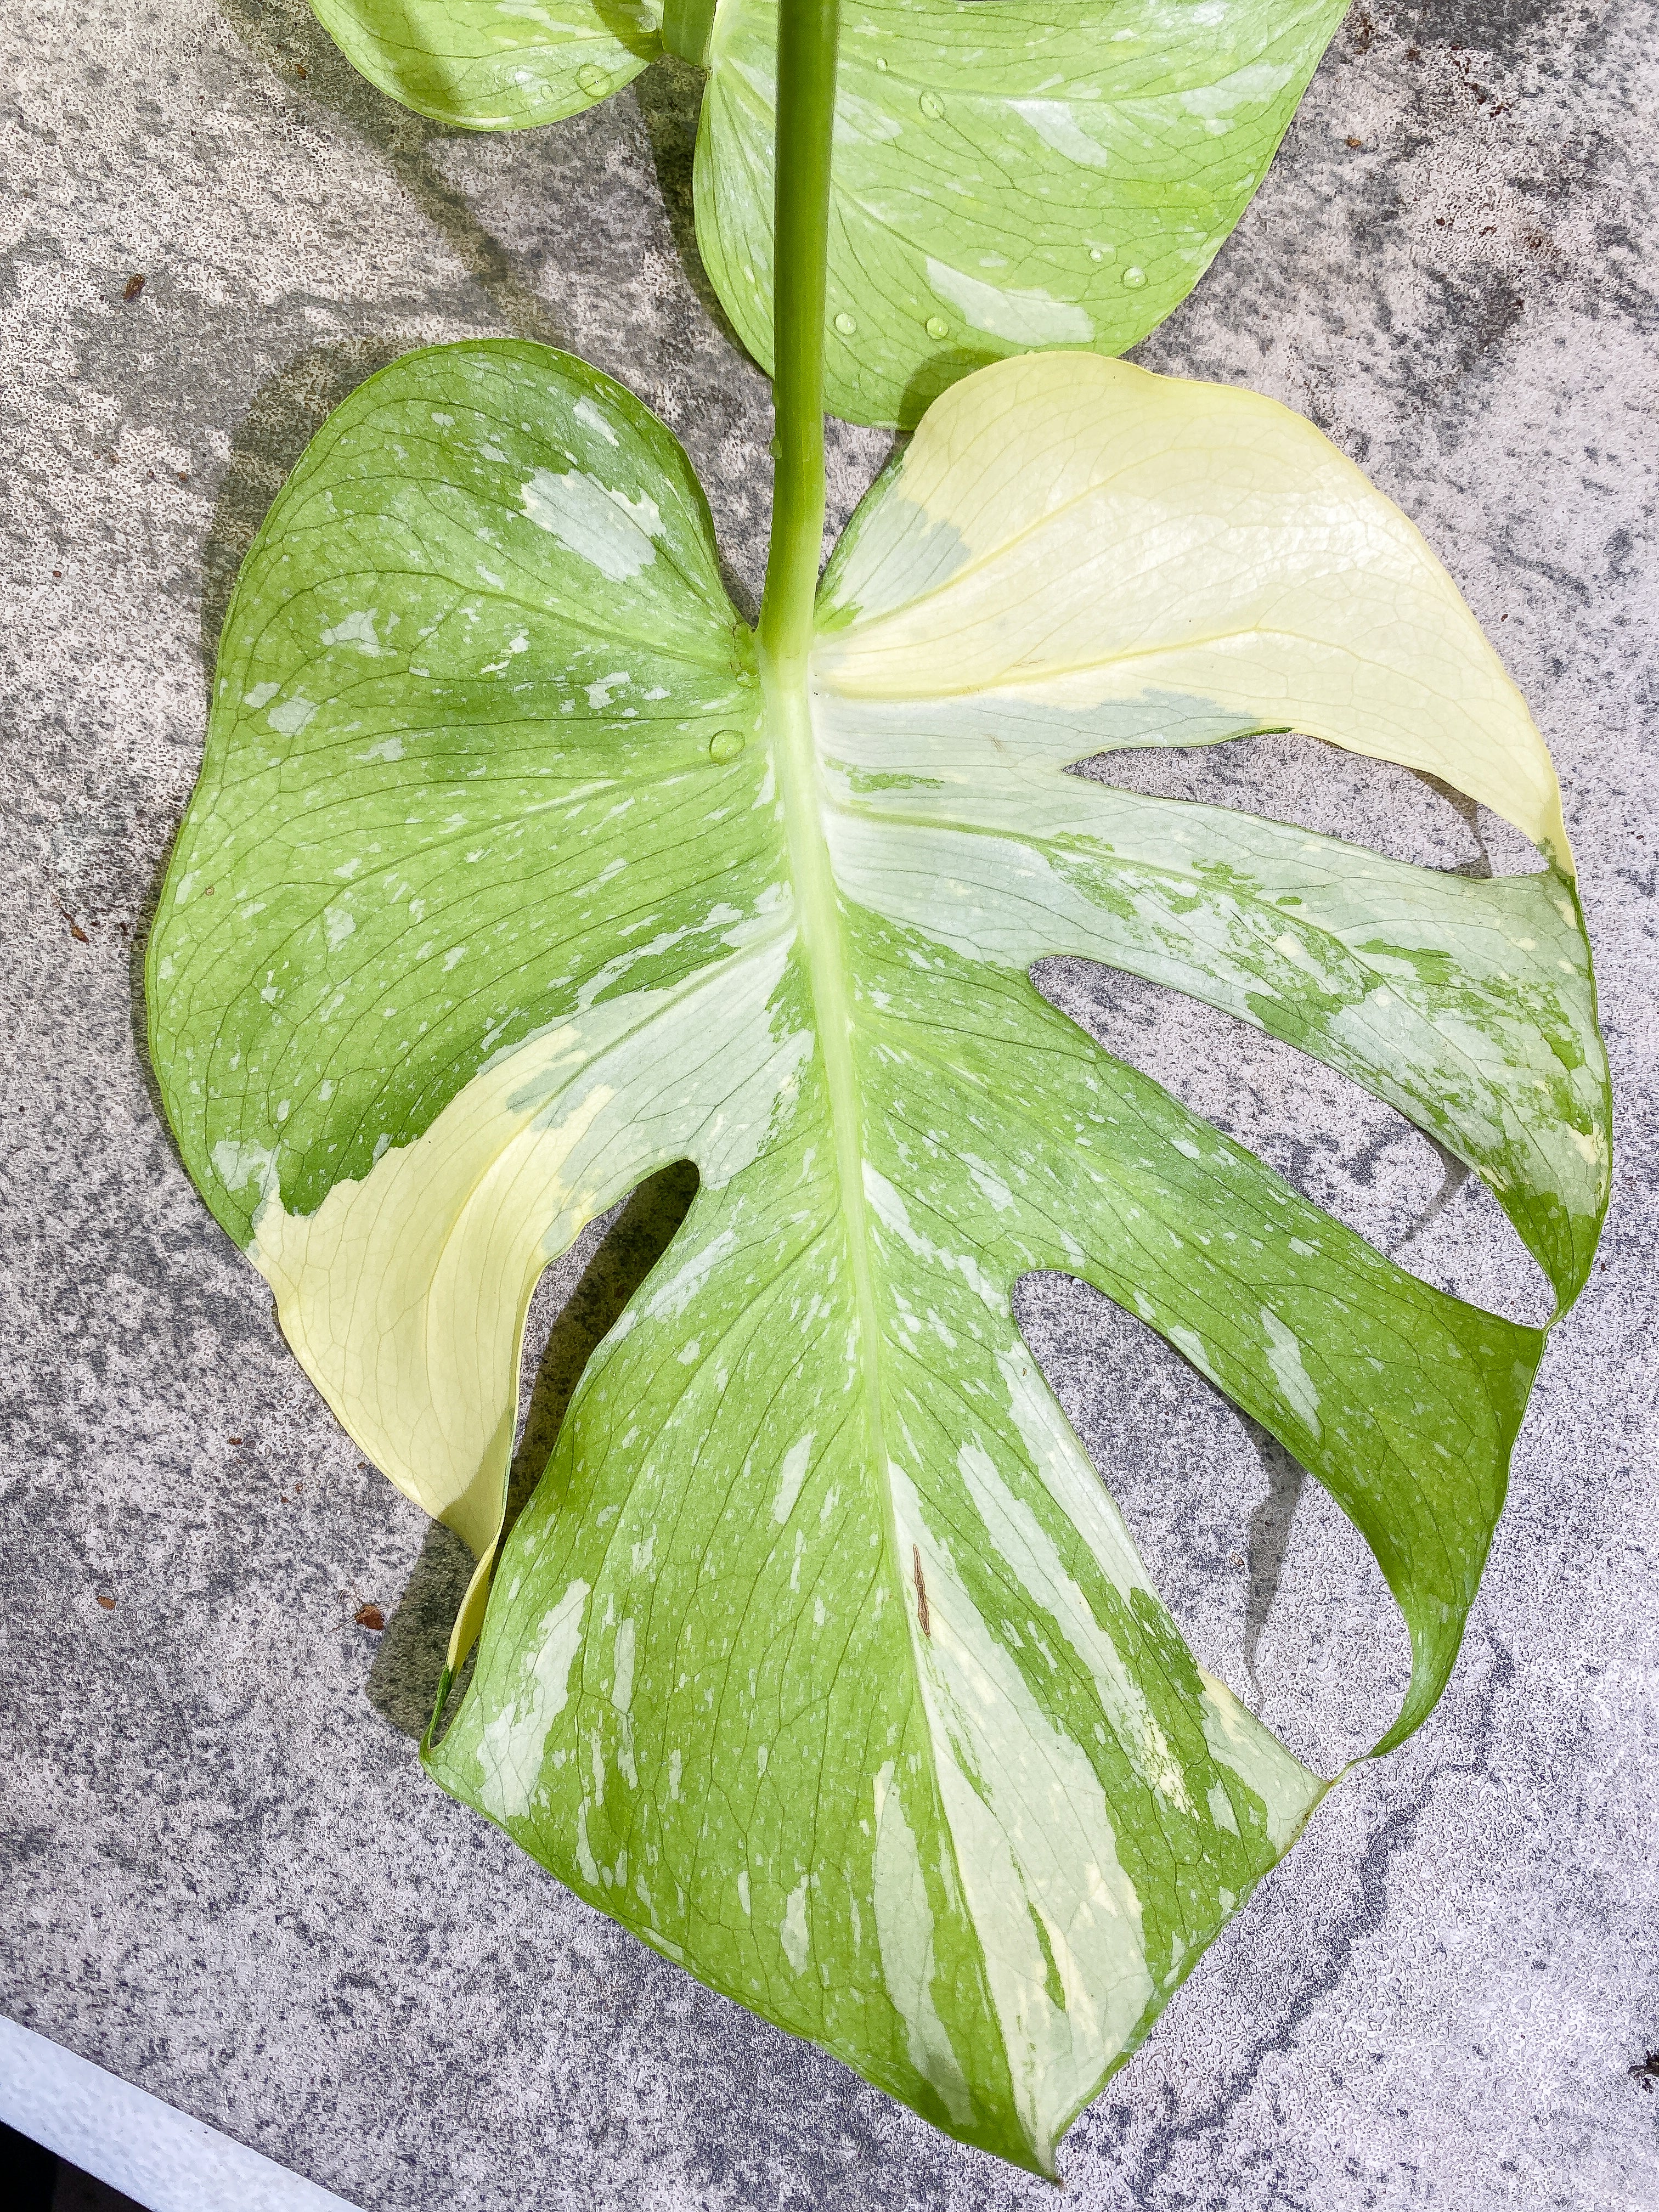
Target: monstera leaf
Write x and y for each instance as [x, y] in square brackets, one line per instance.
[821, 1658]
[1008, 173]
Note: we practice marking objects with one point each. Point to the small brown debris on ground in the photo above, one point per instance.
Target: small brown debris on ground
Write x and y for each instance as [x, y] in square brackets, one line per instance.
[131, 289]
[1356, 143]
[370, 1616]
[75, 930]
[107, 1600]
[233, 1440]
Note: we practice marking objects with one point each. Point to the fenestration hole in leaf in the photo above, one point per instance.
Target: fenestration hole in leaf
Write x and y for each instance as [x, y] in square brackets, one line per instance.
[1267, 1580]
[1352, 1155]
[1389, 809]
[577, 1303]
[577, 1300]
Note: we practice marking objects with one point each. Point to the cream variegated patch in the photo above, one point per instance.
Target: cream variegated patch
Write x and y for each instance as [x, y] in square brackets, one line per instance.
[404, 1295]
[1118, 534]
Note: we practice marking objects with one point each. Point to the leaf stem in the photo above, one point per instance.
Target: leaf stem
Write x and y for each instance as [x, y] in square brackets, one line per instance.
[808, 33]
[808, 36]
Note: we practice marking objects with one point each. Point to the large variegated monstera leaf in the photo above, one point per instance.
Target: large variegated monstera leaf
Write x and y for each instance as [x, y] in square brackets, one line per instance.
[1008, 173]
[821, 1658]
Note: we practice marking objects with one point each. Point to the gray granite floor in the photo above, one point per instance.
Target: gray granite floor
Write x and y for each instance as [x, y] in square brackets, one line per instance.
[225, 1877]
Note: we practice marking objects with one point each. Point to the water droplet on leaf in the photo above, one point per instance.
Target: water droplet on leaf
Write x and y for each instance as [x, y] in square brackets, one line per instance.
[931, 106]
[1134, 278]
[1102, 253]
[938, 327]
[844, 325]
[725, 745]
[593, 79]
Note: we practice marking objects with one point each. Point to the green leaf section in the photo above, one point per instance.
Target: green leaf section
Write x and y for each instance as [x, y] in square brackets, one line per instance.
[1025, 174]
[821, 1658]
[496, 64]
[478, 688]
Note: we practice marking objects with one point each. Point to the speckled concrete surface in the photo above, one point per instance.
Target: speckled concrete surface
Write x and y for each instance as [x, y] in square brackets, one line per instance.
[226, 1878]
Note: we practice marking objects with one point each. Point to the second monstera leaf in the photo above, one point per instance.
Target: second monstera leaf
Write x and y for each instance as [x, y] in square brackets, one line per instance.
[821, 1658]
[1009, 175]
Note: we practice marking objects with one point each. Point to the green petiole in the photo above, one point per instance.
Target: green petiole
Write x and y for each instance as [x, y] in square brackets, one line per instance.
[808, 35]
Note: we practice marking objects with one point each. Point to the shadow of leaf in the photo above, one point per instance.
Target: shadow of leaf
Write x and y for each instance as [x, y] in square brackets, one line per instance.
[1268, 1540]
[669, 97]
[286, 38]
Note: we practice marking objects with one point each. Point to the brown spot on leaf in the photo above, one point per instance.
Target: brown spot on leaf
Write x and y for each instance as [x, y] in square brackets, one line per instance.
[131, 289]
[370, 1616]
[922, 1591]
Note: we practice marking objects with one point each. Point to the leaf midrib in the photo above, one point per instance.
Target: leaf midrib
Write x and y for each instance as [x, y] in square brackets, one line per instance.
[817, 910]
[807, 804]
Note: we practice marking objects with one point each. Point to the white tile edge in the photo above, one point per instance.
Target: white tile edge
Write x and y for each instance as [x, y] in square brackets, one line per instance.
[150, 2151]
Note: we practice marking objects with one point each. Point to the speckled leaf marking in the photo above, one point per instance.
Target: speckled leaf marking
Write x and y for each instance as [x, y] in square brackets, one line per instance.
[1027, 175]
[1035, 173]
[821, 1658]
